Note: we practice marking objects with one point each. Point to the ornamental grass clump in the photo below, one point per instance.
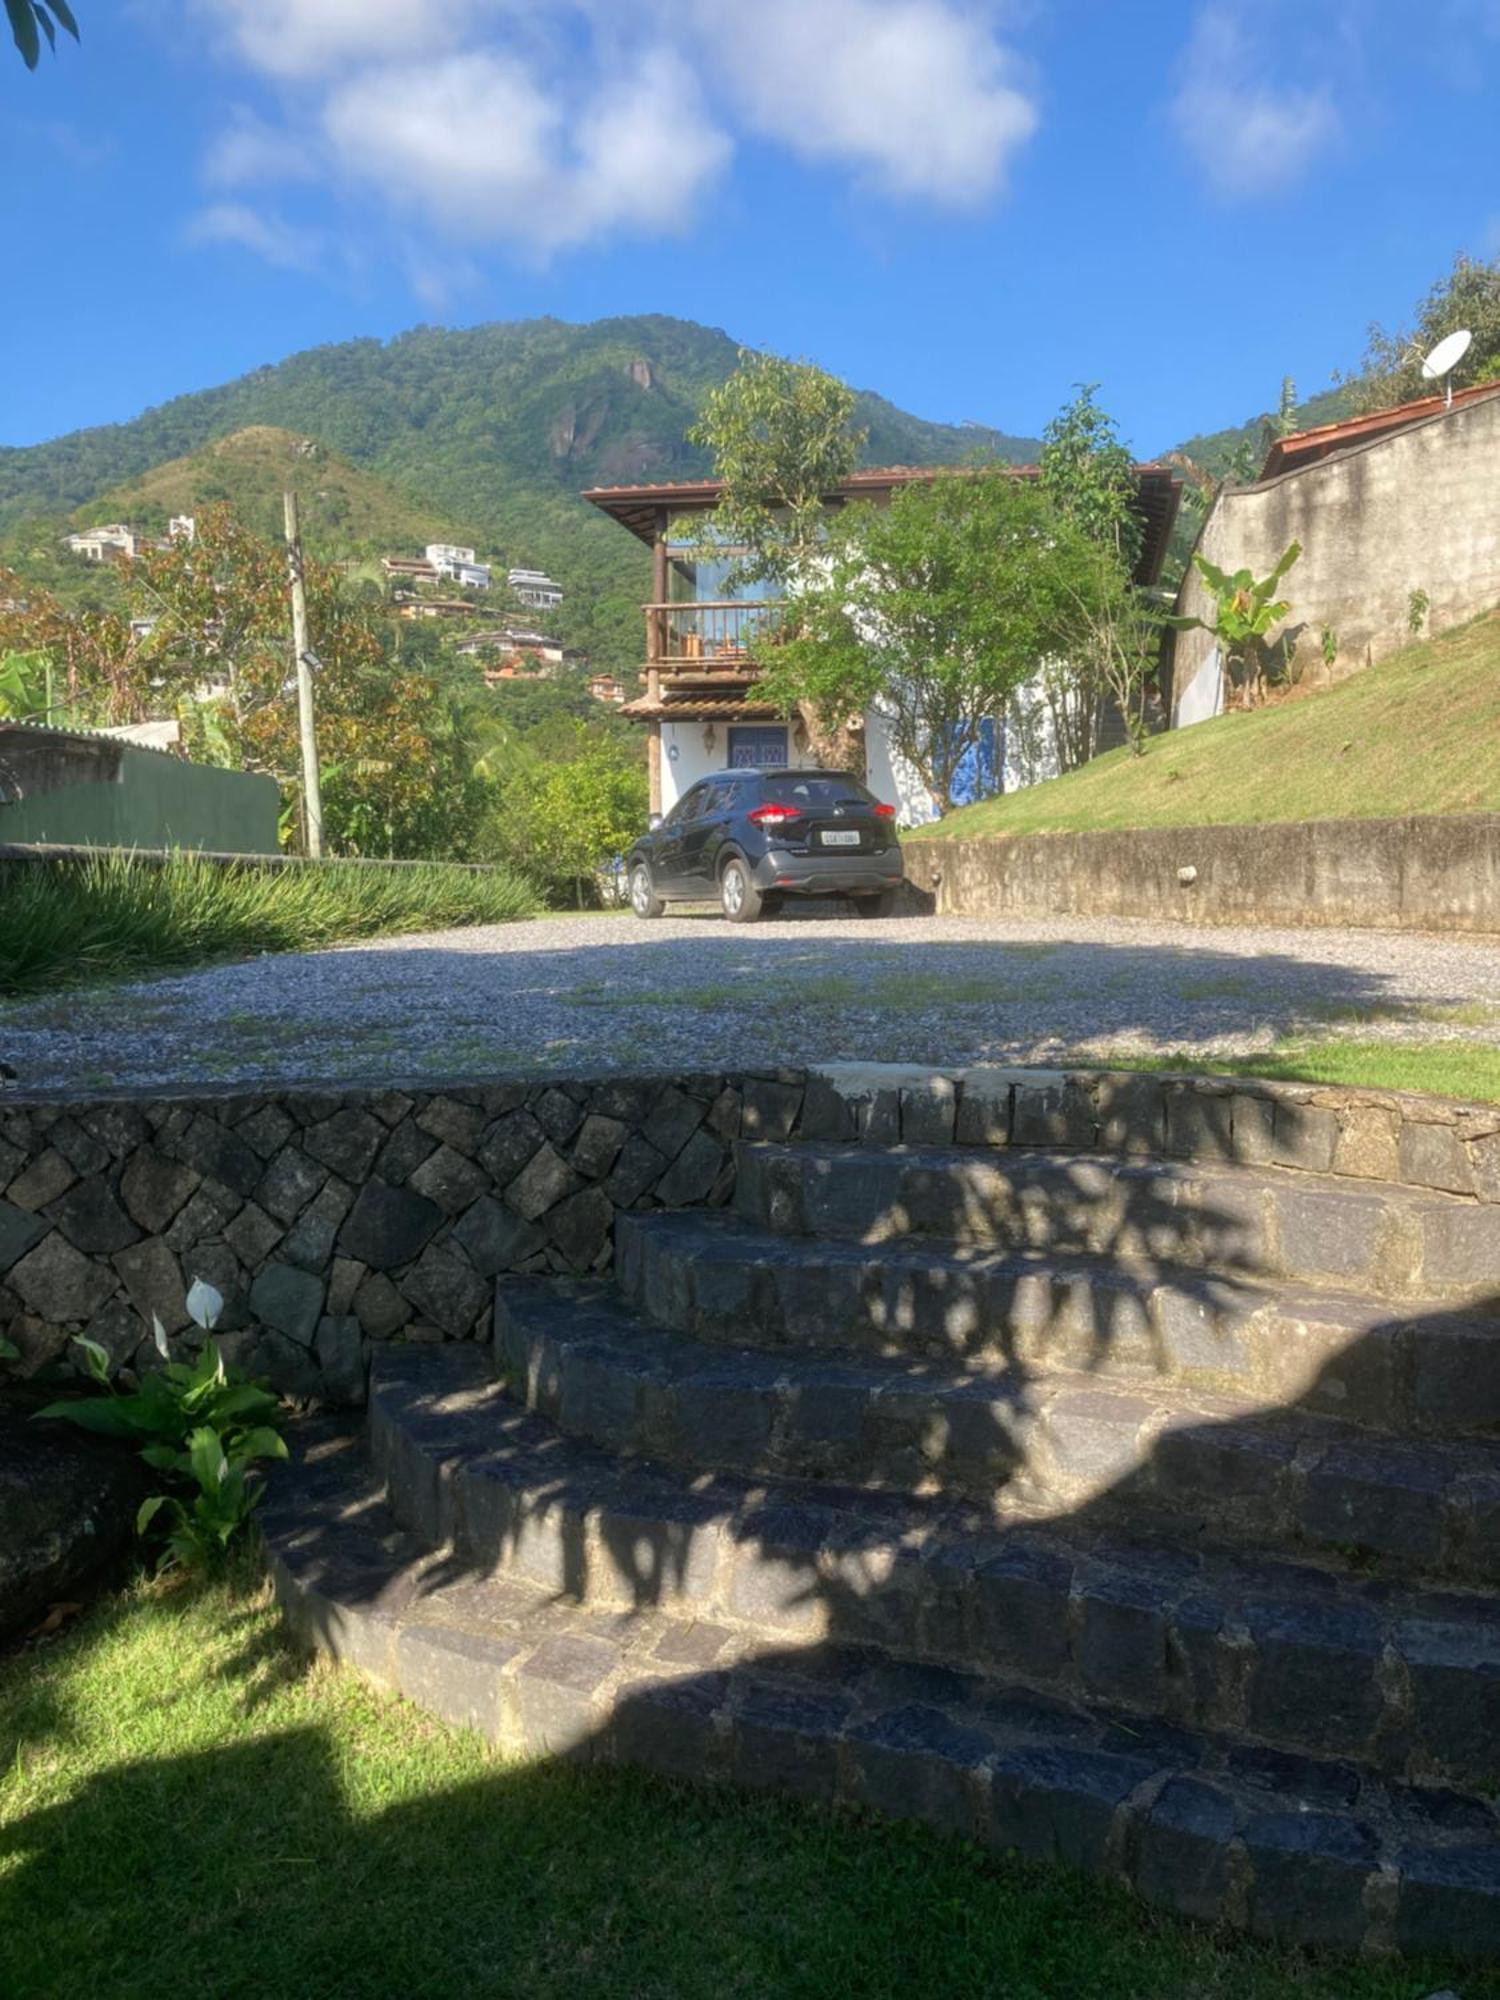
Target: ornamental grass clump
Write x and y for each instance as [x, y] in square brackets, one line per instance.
[113, 915]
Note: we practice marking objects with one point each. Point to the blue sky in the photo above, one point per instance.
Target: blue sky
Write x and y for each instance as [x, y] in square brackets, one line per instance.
[968, 205]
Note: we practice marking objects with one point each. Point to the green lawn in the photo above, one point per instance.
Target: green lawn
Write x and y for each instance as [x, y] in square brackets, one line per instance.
[187, 1809]
[1438, 1069]
[1420, 733]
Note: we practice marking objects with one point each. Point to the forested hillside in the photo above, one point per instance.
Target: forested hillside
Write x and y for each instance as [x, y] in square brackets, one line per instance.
[490, 431]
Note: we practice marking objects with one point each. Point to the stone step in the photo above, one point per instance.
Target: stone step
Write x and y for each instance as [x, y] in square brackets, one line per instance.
[1263, 1222]
[1419, 1365]
[1304, 1851]
[1290, 1654]
[1021, 1445]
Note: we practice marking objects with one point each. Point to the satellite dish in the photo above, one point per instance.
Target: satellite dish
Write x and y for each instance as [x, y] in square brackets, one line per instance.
[1445, 357]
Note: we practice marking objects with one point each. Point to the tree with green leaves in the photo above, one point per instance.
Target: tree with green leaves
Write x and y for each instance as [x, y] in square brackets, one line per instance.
[30, 20]
[933, 611]
[1246, 612]
[563, 821]
[782, 437]
[1469, 296]
[1089, 475]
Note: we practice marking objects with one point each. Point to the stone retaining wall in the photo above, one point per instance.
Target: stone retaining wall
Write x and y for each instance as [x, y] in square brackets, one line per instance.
[1432, 873]
[331, 1220]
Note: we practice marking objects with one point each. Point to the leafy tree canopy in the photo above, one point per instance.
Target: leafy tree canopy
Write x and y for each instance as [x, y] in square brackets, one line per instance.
[782, 437]
[1089, 474]
[1469, 296]
[934, 610]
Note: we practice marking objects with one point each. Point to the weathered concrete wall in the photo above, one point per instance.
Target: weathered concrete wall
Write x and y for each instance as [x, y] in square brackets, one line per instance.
[1437, 873]
[96, 791]
[332, 1221]
[1416, 511]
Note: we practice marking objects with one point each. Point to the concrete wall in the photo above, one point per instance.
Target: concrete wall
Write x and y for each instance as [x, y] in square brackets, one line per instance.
[1416, 511]
[1437, 874]
[95, 791]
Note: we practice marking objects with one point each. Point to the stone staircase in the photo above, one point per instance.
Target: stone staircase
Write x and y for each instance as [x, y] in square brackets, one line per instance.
[1136, 1511]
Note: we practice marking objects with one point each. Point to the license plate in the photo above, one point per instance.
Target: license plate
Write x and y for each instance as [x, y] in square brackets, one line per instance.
[840, 839]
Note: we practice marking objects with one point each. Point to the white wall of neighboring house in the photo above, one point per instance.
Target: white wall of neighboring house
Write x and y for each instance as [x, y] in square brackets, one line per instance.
[1202, 694]
[891, 777]
[685, 758]
[441, 553]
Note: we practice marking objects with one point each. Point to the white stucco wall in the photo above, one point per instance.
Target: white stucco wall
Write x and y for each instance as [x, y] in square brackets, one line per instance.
[1418, 510]
[891, 778]
[685, 759]
[1202, 695]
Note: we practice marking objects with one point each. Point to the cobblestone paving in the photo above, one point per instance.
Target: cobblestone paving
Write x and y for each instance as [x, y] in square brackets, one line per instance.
[575, 994]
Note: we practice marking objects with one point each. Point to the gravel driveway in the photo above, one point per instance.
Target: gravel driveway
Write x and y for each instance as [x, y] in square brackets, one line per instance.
[577, 994]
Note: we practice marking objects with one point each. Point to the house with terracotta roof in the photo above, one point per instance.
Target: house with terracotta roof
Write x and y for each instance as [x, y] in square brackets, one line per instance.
[699, 703]
[1396, 510]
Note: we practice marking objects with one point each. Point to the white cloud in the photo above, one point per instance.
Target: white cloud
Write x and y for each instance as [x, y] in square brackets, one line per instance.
[917, 94]
[545, 124]
[1250, 134]
[250, 150]
[305, 38]
[279, 242]
[486, 153]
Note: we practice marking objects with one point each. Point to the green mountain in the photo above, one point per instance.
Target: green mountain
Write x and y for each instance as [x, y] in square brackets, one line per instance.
[492, 432]
[1216, 451]
[251, 470]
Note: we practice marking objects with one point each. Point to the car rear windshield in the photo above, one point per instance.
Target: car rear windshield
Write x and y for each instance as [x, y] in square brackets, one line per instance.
[804, 791]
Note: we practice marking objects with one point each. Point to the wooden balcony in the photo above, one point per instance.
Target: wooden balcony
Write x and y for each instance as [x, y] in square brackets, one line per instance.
[711, 636]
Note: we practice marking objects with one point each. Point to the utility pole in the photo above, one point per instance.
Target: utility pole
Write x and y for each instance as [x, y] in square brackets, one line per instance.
[312, 791]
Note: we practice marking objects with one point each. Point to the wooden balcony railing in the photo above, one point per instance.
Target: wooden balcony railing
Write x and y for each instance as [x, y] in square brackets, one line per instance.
[712, 634]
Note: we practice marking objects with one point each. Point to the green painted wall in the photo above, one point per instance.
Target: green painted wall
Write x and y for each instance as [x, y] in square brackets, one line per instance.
[94, 791]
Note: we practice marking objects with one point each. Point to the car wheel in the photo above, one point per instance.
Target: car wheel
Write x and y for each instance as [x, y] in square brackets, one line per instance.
[739, 898]
[883, 905]
[643, 897]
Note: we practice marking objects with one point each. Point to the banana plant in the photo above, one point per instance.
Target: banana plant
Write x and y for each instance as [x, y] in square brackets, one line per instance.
[1246, 610]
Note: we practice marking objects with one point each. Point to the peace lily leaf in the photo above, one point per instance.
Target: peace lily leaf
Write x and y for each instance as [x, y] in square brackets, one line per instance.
[149, 1509]
[208, 1460]
[96, 1356]
[263, 1443]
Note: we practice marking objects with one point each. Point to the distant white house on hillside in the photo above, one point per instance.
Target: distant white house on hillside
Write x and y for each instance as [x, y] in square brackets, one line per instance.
[114, 541]
[459, 565]
[535, 589]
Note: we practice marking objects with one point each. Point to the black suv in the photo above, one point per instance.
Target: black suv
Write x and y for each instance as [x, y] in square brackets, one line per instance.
[753, 837]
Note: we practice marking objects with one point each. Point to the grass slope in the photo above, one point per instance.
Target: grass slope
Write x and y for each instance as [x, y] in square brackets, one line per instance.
[186, 1809]
[1419, 733]
[251, 470]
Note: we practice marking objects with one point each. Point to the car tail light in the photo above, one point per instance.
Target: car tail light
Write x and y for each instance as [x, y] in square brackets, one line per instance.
[885, 812]
[774, 815]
